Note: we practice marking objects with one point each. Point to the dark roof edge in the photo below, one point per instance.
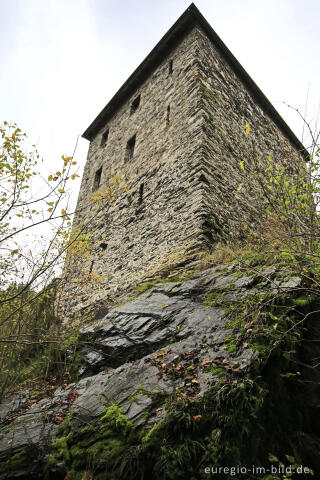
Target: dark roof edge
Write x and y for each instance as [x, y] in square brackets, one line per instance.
[253, 87]
[173, 35]
[189, 18]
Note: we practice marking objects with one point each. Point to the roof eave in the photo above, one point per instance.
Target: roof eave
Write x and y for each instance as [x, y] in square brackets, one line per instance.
[179, 29]
[167, 42]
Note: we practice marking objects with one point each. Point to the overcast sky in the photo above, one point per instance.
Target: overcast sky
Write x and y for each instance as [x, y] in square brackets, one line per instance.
[62, 60]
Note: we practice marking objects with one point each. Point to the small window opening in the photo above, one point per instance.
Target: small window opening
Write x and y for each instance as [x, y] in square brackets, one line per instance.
[97, 179]
[91, 267]
[104, 138]
[168, 114]
[135, 104]
[170, 67]
[141, 193]
[130, 147]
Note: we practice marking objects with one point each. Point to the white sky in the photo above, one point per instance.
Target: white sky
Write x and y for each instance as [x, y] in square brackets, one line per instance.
[62, 60]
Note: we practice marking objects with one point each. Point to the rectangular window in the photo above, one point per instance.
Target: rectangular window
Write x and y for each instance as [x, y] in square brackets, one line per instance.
[97, 179]
[135, 105]
[170, 67]
[141, 193]
[104, 138]
[168, 115]
[130, 147]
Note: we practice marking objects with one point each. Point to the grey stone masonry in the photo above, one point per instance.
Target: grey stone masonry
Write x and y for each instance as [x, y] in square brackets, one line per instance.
[175, 133]
[231, 200]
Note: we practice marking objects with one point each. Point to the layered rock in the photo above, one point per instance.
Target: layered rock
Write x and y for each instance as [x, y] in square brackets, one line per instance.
[177, 342]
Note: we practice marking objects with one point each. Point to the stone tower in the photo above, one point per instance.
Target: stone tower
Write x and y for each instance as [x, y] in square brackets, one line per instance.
[175, 133]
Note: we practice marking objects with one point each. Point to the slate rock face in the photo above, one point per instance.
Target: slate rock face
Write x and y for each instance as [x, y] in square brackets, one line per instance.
[27, 438]
[136, 356]
[169, 313]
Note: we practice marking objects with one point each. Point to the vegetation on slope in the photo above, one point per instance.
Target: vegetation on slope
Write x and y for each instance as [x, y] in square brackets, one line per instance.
[267, 415]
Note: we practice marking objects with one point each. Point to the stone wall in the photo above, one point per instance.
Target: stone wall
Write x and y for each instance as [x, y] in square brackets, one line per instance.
[142, 234]
[183, 178]
[231, 198]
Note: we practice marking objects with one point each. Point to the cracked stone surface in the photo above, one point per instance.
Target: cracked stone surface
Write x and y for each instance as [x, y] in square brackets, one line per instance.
[136, 356]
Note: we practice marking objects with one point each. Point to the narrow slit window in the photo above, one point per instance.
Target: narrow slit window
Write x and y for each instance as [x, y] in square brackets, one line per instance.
[135, 105]
[130, 147]
[104, 137]
[168, 114]
[97, 179]
[170, 67]
[141, 193]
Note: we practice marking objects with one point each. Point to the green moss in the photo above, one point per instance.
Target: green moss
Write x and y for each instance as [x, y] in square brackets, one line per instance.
[232, 348]
[302, 301]
[215, 298]
[139, 391]
[94, 446]
[64, 426]
[231, 344]
[230, 425]
[114, 417]
[183, 277]
[217, 371]
[15, 462]
[151, 435]
[12, 426]
[143, 287]
[60, 445]
[105, 450]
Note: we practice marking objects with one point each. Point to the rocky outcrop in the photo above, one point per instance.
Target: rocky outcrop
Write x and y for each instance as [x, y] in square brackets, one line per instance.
[178, 343]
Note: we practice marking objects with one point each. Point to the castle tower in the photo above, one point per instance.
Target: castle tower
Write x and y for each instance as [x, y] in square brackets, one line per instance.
[175, 133]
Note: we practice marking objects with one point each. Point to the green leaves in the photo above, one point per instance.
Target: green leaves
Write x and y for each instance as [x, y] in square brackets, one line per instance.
[30, 202]
[66, 159]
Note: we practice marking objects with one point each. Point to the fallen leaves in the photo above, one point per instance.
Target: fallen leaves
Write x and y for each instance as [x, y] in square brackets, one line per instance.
[182, 366]
[197, 418]
[206, 363]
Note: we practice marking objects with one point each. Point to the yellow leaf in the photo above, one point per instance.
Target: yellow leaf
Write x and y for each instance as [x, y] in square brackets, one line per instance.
[239, 187]
[247, 128]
